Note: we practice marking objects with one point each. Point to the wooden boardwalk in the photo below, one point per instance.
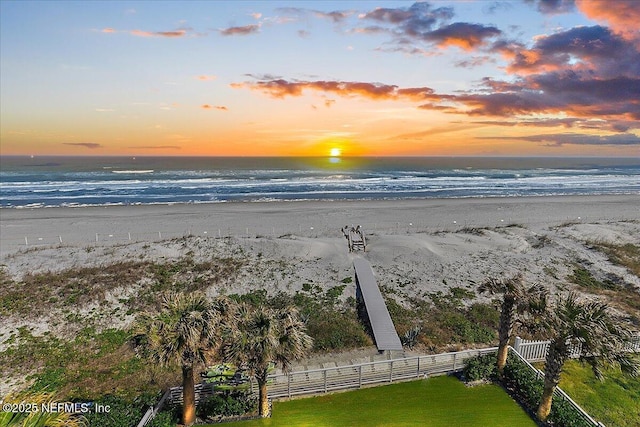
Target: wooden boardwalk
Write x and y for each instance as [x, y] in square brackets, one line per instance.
[367, 291]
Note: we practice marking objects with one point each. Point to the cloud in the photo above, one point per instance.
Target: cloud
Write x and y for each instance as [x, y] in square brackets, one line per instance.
[157, 147]
[89, 145]
[622, 15]
[336, 16]
[412, 20]
[168, 34]
[559, 139]
[423, 24]
[280, 88]
[241, 31]
[474, 61]
[594, 49]
[566, 93]
[463, 35]
[206, 78]
[214, 107]
[497, 6]
[109, 30]
[104, 110]
[553, 7]
[568, 122]
[303, 34]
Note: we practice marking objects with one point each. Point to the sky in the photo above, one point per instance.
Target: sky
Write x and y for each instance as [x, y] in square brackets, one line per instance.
[313, 78]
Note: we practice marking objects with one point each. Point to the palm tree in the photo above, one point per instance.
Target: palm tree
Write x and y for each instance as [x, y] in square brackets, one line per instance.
[599, 336]
[520, 305]
[183, 332]
[263, 336]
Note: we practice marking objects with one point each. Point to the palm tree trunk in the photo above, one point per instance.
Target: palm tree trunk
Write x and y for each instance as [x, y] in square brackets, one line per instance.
[503, 351]
[188, 396]
[263, 399]
[505, 329]
[544, 409]
[557, 355]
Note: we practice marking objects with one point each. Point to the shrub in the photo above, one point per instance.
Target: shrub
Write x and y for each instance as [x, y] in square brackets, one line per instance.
[522, 382]
[481, 367]
[226, 404]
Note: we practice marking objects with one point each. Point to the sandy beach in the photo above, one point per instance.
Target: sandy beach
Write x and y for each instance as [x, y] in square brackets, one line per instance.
[415, 246]
[424, 236]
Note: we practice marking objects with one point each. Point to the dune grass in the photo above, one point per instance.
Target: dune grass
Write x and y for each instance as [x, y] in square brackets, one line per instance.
[439, 401]
[614, 401]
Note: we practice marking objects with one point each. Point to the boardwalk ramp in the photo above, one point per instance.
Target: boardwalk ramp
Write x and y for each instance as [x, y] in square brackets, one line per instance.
[367, 292]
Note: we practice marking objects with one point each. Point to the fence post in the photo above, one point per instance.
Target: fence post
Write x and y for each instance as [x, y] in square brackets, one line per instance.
[454, 361]
[418, 369]
[516, 345]
[325, 380]
[391, 371]
[360, 376]
[289, 385]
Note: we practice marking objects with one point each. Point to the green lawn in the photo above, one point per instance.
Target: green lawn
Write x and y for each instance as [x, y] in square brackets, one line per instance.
[614, 402]
[439, 401]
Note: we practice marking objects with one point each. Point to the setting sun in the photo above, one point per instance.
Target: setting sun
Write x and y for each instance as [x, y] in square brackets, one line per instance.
[335, 152]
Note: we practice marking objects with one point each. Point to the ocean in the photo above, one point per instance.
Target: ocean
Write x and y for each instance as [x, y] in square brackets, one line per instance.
[33, 182]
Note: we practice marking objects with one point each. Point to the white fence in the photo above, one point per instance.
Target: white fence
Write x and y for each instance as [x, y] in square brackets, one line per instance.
[536, 351]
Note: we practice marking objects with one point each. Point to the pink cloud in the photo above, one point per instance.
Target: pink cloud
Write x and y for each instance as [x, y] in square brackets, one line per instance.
[241, 31]
[169, 34]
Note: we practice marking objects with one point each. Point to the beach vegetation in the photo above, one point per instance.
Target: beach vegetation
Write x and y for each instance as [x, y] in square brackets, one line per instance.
[626, 255]
[260, 336]
[75, 287]
[520, 306]
[445, 320]
[480, 368]
[473, 230]
[332, 324]
[227, 403]
[590, 327]
[618, 293]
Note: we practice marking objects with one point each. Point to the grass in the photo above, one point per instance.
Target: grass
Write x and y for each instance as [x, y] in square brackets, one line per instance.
[445, 322]
[440, 401]
[627, 255]
[623, 295]
[614, 401]
[81, 286]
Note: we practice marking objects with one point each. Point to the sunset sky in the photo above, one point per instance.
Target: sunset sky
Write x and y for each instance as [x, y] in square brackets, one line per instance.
[267, 78]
